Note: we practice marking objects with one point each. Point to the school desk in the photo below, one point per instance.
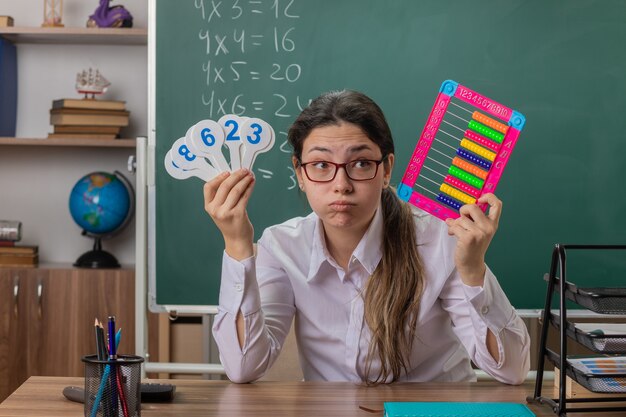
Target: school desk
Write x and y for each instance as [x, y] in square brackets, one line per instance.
[41, 396]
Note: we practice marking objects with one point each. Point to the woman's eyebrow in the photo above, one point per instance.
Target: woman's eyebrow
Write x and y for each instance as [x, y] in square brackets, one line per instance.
[319, 148]
[353, 150]
[360, 148]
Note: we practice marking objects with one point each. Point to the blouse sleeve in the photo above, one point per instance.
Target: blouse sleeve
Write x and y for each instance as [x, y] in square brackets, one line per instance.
[260, 289]
[474, 310]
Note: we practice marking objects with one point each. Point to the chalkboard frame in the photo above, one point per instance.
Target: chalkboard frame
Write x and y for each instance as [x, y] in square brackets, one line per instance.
[563, 62]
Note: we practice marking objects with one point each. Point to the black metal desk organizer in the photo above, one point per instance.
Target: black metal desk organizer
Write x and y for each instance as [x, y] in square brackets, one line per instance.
[599, 300]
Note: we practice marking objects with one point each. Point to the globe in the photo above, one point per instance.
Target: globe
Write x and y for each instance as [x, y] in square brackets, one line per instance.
[101, 204]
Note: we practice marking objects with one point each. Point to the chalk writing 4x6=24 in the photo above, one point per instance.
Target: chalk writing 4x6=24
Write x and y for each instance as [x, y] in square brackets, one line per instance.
[240, 104]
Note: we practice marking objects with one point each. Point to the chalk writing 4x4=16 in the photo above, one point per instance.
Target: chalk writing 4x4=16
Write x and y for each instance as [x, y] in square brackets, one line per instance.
[218, 43]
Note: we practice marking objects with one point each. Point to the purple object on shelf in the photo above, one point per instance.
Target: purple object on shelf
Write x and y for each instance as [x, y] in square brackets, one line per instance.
[107, 16]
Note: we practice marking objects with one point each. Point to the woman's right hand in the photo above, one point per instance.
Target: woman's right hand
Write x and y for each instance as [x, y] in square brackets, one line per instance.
[225, 200]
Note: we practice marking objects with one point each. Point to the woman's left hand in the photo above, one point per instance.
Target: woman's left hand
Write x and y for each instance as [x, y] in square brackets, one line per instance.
[474, 231]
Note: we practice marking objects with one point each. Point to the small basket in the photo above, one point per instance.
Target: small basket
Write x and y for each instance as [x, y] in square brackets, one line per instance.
[599, 383]
[600, 300]
[112, 385]
[596, 341]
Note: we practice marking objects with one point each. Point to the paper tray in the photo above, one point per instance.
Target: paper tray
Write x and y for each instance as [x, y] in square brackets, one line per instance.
[600, 383]
[600, 300]
[599, 337]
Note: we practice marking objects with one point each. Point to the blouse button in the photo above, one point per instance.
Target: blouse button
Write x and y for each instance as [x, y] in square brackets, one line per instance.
[484, 310]
[238, 287]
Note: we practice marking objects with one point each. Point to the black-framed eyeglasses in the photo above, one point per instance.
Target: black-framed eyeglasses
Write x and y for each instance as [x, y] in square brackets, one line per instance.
[357, 170]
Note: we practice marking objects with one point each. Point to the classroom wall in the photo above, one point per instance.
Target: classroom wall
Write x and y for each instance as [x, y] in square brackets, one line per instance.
[35, 182]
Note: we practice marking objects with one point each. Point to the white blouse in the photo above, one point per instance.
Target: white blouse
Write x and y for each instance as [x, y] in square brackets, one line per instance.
[293, 275]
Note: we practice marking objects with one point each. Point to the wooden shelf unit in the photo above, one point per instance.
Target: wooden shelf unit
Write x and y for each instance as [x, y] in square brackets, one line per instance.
[48, 311]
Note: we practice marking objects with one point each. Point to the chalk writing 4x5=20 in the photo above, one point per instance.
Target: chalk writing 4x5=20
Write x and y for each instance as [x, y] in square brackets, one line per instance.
[218, 75]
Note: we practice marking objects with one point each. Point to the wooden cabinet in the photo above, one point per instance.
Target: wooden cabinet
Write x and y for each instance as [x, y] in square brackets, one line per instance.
[47, 319]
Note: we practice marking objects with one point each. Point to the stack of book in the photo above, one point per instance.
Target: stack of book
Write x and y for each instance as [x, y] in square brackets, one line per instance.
[6, 21]
[11, 256]
[88, 118]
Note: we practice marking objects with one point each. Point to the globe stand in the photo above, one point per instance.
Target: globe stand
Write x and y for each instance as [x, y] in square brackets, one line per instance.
[97, 258]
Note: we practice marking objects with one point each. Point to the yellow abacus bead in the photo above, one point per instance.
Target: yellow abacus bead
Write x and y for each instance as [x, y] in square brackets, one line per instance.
[478, 150]
[453, 192]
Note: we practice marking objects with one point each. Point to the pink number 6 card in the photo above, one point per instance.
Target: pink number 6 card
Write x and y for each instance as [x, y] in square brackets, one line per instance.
[461, 153]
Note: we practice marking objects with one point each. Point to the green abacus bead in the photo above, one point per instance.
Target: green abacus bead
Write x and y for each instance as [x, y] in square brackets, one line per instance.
[486, 131]
[466, 177]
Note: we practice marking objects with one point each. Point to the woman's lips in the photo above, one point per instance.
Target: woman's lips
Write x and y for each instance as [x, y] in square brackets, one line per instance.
[341, 205]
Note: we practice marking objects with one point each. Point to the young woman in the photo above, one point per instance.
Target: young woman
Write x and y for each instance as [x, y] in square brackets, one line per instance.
[380, 292]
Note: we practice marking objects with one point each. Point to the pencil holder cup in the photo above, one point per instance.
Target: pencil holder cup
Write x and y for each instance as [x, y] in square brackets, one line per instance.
[112, 387]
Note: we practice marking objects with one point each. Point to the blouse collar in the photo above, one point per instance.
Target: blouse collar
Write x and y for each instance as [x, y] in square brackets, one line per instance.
[368, 252]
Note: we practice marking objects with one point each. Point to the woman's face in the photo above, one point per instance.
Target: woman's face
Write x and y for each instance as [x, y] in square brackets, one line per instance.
[342, 202]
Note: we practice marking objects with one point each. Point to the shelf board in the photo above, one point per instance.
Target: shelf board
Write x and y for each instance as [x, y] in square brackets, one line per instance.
[97, 143]
[69, 266]
[91, 36]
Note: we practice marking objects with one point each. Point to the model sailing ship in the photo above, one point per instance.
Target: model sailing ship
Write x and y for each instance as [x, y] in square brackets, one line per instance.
[91, 82]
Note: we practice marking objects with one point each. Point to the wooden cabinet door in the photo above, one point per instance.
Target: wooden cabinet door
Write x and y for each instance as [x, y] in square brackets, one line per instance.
[14, 321]
[31, 304]
[8, 316]
[70, 301]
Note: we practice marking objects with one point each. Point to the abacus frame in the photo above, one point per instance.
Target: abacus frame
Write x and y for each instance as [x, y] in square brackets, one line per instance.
[448, 90]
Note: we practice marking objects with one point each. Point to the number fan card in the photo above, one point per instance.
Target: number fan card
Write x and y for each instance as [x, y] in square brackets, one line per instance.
[461, 153]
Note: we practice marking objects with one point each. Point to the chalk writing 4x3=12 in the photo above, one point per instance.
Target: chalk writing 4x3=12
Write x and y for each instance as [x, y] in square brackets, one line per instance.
[235, 11]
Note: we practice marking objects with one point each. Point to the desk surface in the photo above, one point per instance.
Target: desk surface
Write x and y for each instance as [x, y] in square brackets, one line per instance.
[42, 396]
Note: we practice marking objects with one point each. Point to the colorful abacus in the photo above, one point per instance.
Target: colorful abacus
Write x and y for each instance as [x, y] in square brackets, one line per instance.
[461, 153]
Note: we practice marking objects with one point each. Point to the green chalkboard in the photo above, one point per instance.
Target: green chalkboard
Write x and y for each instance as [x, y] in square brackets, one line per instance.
[560, 63]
